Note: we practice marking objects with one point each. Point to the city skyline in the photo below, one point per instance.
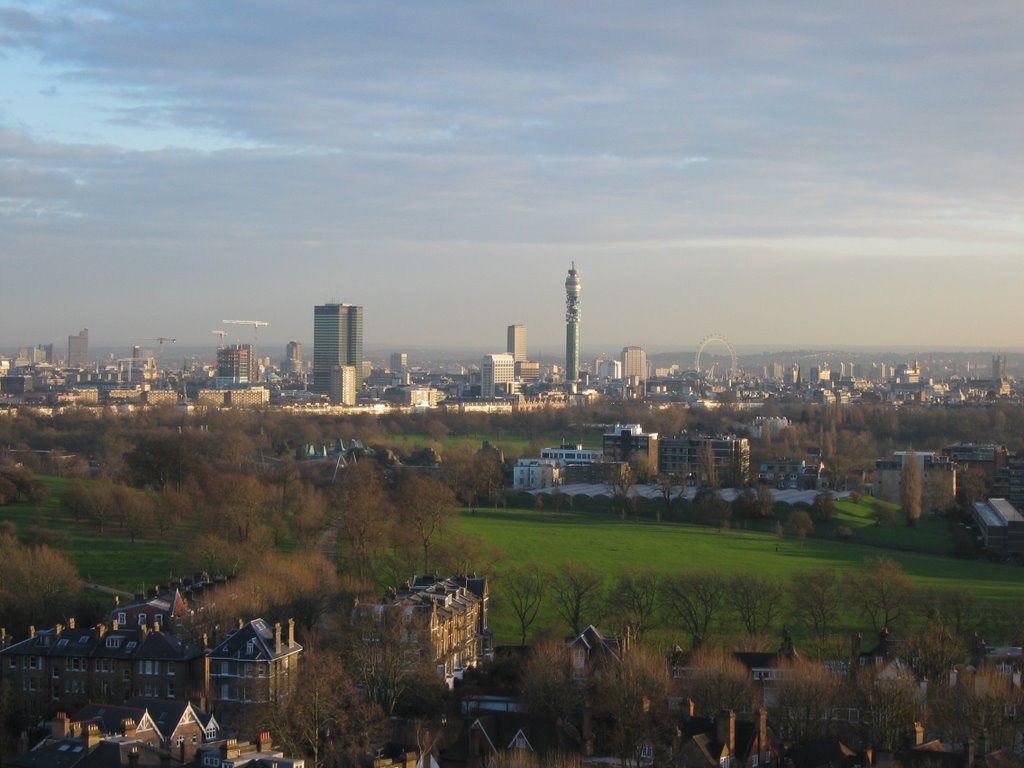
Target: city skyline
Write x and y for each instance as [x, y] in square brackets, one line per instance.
[823, 177]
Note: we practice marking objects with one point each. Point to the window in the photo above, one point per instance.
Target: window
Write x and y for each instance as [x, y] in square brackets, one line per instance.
[753, 760]
[179, 741]
[159, 619]
[142, 619]
[113, 642]
[122, 618]
[195, 739]
[170, 690]
[248, 648]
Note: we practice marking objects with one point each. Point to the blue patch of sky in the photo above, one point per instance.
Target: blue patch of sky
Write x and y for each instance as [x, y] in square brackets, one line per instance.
[50, 104]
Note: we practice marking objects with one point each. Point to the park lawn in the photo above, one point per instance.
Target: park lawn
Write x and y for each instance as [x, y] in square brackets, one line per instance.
[612, 545]
[508, 442]
[931, 534]
[109, 558]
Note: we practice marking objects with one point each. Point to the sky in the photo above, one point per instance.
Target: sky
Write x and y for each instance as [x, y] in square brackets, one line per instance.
[783, 174]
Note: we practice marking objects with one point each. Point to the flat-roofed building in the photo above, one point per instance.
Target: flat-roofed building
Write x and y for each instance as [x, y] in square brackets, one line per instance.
[1001, 526]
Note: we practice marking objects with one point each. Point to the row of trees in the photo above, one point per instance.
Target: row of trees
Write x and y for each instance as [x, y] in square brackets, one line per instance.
[709, 604]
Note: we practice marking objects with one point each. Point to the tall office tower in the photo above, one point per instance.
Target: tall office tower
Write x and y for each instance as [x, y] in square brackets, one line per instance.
[517, 342]
[998, 367]
[337, 340]
[634, 363]
[497, 375]
[572, 325]
[235, 365]
[78, 349]
[399, 362]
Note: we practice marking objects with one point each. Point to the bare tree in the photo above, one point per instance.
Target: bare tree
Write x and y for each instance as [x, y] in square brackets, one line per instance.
[385, 656]
[814, 597]
[364, 518]
[633, 695]
[577, 593]
[425, 506]
[756, 600]
[880, 590]
[634, 597]
[695, 598]
[889, 703]
[974, 702]
[715, 680]
[548, 684]
[806, 694]
[523, 587]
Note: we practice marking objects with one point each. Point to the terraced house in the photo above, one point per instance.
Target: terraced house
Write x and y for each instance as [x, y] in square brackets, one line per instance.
[69, 666]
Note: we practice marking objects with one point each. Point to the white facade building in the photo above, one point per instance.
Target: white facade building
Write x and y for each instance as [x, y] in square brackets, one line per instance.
[536, 473]
[497, 375]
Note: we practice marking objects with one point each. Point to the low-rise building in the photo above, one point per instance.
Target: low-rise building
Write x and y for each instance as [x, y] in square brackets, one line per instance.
[529, 474]
[69, 667]
[1001, 527]
[254, 664]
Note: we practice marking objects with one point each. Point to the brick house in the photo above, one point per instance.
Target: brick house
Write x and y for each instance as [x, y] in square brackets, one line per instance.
[254, 664]
[67, 667]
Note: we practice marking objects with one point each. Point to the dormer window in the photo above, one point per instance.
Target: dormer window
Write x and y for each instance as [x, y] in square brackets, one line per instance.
[249, 647]
[114, 642]
[142, 619]
[122, 618]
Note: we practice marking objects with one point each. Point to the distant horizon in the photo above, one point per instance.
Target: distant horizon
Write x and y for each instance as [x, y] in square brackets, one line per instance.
[275, 350]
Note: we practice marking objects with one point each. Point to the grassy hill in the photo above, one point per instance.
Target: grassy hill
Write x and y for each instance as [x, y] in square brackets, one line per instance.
[613, 545]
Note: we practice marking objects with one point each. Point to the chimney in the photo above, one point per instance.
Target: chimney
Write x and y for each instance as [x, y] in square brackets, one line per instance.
[691, 709]
[59, 726]
[144, 630]
[725, 729]
[101, 630]
[918, 734]
[129, 727]
[133, 757]
[241, 623]
[952, 678]
[277, 637]
[263, 742]
[114, 626]
[57, 629]
[71, 623]
[156, 626]
[32, 631]
[206, 640]
[92, 735]
[291, 632]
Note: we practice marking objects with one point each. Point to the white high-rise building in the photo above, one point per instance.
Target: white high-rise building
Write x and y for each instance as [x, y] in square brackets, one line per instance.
[497, 375]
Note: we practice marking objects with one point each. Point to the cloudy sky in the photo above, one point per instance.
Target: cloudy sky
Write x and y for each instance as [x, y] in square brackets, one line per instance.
[784, 174]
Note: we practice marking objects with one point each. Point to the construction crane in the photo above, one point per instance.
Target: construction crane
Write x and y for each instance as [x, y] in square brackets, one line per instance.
[221, 334]
[160, 353]
[256, 325]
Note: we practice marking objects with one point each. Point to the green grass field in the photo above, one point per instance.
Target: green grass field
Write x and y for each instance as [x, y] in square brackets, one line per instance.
[110, 558]
[613, 546]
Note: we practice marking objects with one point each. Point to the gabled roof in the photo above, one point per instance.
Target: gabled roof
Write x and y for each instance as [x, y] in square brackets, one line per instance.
[95, 643]
[596, 643]
[499, 730]
[254, 641]
[109, 718]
